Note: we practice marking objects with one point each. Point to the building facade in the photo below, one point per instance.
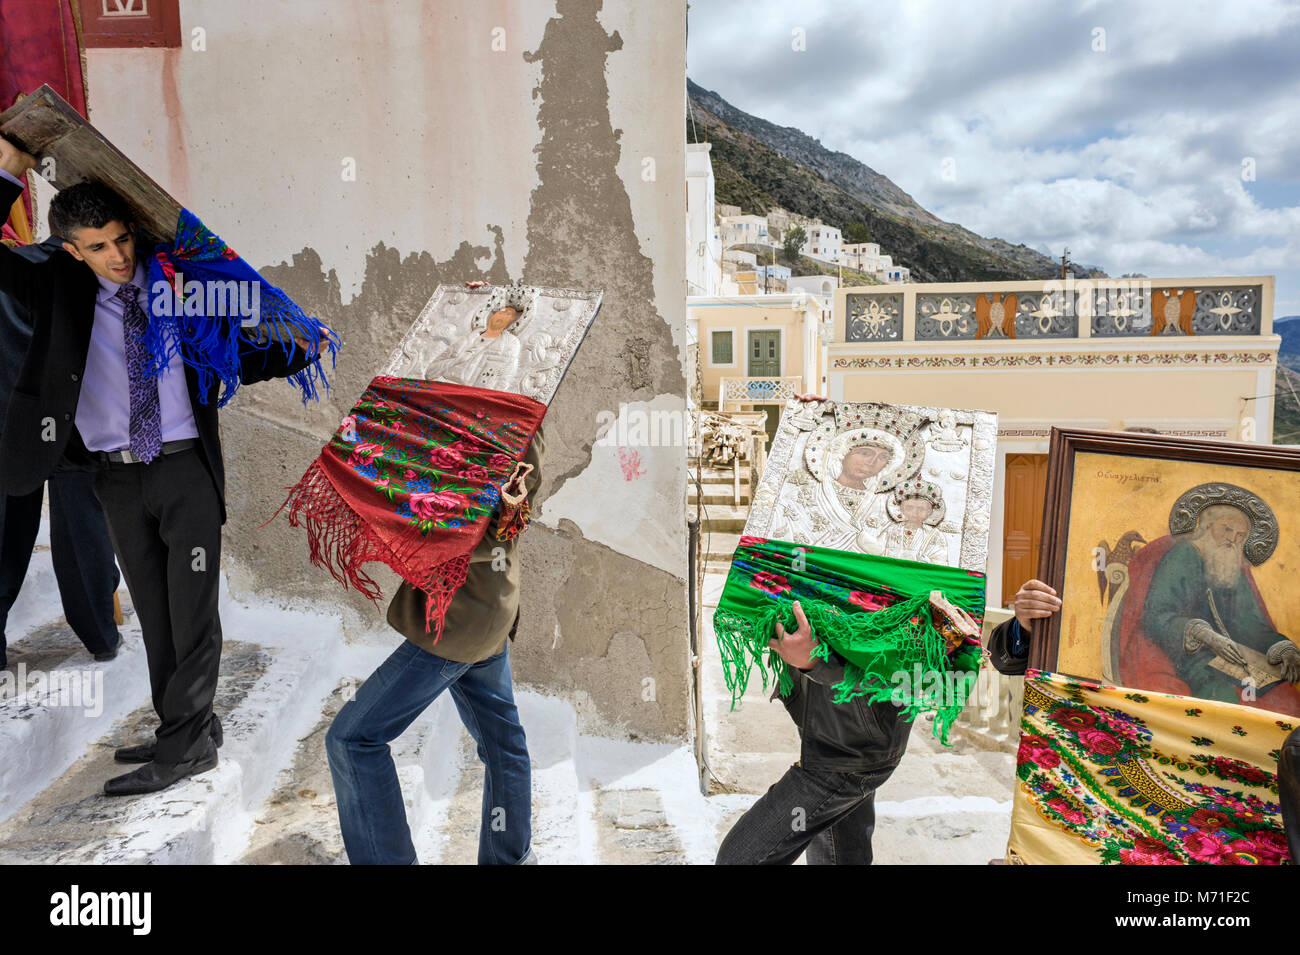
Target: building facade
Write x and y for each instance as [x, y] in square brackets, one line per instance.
[363, 189]
[757, 350]
[823, 286]
[703, 236]
[823, 241]
[862, 256]
[744, 230]
[1189, 356]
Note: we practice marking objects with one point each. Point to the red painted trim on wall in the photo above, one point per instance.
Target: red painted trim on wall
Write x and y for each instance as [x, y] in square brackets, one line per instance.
[156, 24]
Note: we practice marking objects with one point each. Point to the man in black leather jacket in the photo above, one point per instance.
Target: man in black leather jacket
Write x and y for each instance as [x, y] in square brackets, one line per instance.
[1288, 790]
[825, 803]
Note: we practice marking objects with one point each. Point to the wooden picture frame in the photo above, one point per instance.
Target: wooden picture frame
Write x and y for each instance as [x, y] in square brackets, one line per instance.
[1106, 488]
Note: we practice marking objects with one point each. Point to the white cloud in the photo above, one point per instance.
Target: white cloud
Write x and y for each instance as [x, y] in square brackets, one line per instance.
[1132, 156]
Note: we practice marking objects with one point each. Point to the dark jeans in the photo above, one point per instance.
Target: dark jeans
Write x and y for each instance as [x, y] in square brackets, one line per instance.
[164, 518]
[372, 814]
[831, 815]
[80, 550]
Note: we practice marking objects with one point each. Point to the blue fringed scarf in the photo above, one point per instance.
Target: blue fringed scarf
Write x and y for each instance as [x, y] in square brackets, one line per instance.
[203, 319]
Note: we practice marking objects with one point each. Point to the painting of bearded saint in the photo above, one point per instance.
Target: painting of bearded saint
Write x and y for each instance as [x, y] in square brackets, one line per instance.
[1194, 622]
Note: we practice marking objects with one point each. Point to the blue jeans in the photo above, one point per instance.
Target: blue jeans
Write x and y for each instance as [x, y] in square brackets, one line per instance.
[371, 812]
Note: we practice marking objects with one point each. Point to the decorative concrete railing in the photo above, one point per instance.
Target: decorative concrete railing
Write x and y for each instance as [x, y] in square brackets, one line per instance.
[991, 717]
[747, 391]
[1070, 308]
[992, 713]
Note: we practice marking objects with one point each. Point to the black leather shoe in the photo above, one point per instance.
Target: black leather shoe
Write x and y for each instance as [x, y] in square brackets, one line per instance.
[144, 752]
[110, 654]
[134, 754]
[155, 776]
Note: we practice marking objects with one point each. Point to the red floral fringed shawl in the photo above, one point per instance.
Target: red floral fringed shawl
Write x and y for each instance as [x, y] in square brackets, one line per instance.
[411, 479]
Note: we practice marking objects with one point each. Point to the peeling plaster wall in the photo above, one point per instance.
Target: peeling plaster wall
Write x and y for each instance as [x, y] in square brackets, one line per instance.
[556, 160]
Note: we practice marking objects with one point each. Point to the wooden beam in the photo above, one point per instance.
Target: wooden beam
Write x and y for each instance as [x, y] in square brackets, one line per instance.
[44, 125]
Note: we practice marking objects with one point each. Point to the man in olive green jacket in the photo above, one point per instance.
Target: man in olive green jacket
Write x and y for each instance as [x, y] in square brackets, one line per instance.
[471, 660]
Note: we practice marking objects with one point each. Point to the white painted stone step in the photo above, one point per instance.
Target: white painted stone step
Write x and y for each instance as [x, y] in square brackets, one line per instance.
[264, 697]
[54, 702]
[715, 494]
[55, 699]
[298, 822]
[721, 518]
[719, 546]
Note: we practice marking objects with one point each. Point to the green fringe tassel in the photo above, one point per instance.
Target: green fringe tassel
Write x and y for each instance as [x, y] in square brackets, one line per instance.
[893, 654]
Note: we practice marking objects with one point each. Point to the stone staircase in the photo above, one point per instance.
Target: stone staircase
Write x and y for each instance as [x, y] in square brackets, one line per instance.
[722, 521]
[284, 675]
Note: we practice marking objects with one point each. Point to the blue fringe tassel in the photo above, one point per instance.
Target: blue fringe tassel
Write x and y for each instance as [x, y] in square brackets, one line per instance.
[211, 344]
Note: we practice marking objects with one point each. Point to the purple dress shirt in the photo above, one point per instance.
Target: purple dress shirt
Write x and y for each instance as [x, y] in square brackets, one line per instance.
[104, 407]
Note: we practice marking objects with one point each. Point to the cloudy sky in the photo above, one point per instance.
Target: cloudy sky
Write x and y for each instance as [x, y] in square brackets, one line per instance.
[1154, 137]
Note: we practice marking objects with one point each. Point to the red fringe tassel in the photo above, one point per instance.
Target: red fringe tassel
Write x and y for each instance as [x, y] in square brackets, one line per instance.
[341, 542]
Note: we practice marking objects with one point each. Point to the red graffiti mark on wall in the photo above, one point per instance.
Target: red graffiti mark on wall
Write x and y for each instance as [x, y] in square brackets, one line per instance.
[631, 462]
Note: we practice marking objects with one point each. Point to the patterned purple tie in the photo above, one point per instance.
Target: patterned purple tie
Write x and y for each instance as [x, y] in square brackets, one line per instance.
[146, 419]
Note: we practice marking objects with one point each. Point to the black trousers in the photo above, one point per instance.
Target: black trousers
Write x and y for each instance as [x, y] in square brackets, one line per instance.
[165, 521]
[831, 815]
[80, 550]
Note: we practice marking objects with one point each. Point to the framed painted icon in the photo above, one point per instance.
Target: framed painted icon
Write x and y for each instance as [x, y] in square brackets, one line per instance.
[1175, 560]
[516, 338]
[45, 125]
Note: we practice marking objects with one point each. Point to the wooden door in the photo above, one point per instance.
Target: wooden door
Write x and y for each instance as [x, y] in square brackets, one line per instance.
[1022, 523]
[764, 354]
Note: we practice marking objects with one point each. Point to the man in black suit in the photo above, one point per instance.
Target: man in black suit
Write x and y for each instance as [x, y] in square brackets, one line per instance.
[80, 548]
[84, 397]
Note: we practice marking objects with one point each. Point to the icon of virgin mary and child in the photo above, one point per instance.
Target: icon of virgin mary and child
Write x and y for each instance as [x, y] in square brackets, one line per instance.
[860, 488]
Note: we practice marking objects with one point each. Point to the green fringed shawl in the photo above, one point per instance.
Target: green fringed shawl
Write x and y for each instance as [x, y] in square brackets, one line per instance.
[872, 611]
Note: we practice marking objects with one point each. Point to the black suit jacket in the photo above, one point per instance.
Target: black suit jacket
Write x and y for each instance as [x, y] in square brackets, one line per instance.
[16, 325]
[40, 433]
